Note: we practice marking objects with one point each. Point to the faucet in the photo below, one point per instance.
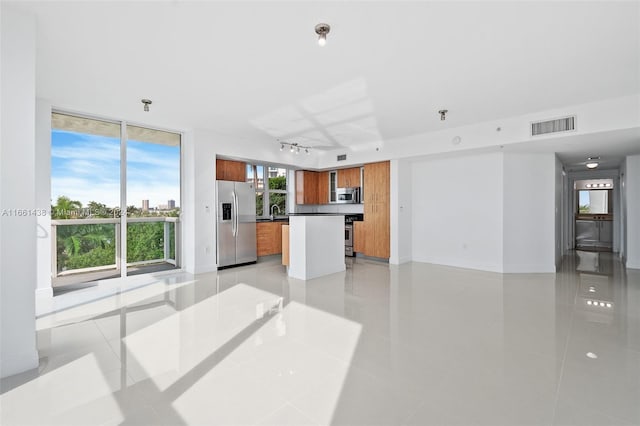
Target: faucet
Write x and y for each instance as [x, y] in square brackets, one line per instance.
[276, 206]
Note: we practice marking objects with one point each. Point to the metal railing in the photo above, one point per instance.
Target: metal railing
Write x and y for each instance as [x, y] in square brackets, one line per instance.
[75, 241]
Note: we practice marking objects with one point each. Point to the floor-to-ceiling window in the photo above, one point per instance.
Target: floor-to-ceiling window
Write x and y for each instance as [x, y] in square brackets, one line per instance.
[101, 169]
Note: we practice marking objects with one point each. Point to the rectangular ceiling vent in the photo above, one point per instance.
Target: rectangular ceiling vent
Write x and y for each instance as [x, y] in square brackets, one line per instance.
[342, 157]
[565, 124]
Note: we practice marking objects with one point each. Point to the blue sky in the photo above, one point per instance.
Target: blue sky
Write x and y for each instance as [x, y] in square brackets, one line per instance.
[87, 168]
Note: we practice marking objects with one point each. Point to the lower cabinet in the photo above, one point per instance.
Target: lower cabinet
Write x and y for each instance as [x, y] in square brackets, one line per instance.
[371, 236]
[359, 234]
[269, 238]
[285, 245]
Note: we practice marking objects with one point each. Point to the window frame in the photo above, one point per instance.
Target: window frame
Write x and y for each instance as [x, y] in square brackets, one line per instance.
[265, 190]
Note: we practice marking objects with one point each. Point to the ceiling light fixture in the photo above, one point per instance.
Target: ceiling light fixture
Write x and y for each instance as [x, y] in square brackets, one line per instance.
[294, 147]
[146, 103]
[322, 30]
[592, 165]
[443, 114]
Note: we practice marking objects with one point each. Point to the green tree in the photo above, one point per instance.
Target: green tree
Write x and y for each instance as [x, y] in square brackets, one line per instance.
[145, 241]
[66, 208]
[278, 182]
[279, 199]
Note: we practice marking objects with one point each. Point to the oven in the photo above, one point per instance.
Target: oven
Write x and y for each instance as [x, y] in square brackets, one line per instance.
[348, 239]
[348, 232]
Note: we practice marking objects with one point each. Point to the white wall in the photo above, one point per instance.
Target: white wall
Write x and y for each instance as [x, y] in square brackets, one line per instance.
[17, 158]
[530, 218]
[43, 197]
[401, 211]
[458, 211]
[199, 211]
[632, 189]
[623, 211]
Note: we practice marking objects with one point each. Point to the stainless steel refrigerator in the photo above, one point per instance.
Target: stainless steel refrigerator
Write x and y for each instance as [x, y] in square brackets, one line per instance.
[236, 223]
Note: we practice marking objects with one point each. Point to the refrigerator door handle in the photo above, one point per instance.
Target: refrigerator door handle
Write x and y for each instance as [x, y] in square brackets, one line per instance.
[235, 214]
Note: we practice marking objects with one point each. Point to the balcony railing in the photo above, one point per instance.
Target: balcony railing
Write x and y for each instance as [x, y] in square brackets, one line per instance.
[92, 245]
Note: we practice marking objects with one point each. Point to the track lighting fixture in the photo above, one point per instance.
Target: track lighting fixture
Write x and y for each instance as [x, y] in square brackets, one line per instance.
[294, 147]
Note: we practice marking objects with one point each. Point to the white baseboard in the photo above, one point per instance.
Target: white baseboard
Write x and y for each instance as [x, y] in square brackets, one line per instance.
[17, 363]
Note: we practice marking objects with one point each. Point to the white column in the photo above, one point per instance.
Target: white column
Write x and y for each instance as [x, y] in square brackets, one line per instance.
[18, 264]
[45, 238]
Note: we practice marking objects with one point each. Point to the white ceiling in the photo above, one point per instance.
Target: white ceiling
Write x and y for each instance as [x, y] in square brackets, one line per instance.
[254, 70]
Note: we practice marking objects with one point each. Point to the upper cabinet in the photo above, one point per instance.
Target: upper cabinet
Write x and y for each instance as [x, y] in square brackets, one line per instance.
[376, 182]
[307, 187]
[231, 170]
[323, 188]
[349, 178]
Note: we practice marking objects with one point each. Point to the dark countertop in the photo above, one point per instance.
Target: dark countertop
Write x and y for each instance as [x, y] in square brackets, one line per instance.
[277, 219]
[316, 214]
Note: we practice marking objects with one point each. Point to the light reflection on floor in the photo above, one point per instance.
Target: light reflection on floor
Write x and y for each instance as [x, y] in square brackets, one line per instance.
[378, 344]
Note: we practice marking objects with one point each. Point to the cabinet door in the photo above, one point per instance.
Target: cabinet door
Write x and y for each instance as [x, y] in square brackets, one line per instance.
[369, 183]
[323, 188]
[306, 187]
[606, 231]
[311, 188]
[349, 178]
[236, 171]
[220, 169]
[354, 177]
[382, 230]
[285, 245]
[359, 237]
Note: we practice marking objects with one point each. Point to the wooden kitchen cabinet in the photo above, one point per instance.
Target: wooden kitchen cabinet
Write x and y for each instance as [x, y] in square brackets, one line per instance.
[323, 188]
[359, 237]
[349, 178]
[231, 170]
[307, 187]
[285, 244]
[376, 210]
[269, 238]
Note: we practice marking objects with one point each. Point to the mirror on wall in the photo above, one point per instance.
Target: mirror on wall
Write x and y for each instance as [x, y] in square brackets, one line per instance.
[594, 196]
[594, 201]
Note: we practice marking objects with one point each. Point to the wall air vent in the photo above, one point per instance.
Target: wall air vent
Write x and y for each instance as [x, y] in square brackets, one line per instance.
[565, 124]
[342, 157]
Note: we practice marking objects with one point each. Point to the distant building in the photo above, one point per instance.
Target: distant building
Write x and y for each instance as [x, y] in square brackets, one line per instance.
[171, 204]
[162, 207]
[145, 205]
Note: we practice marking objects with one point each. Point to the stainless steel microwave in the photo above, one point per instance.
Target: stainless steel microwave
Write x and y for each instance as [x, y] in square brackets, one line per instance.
[347, 195]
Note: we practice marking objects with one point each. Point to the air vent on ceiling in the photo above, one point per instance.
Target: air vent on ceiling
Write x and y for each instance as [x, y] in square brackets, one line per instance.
[342, 157]
[565, 124]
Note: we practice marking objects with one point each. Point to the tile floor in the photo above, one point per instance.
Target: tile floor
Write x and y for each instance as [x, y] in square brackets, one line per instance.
[415, 344]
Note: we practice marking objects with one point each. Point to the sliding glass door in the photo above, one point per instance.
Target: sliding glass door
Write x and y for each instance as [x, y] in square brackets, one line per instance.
[115, 199]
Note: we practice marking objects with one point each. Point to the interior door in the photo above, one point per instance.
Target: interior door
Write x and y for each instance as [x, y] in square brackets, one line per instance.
[226, 242]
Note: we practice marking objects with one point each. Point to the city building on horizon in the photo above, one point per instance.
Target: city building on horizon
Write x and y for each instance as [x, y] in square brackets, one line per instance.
[171, 204]
[145, 205]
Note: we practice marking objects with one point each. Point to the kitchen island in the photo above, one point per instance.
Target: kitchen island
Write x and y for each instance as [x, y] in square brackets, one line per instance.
[316, 245]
